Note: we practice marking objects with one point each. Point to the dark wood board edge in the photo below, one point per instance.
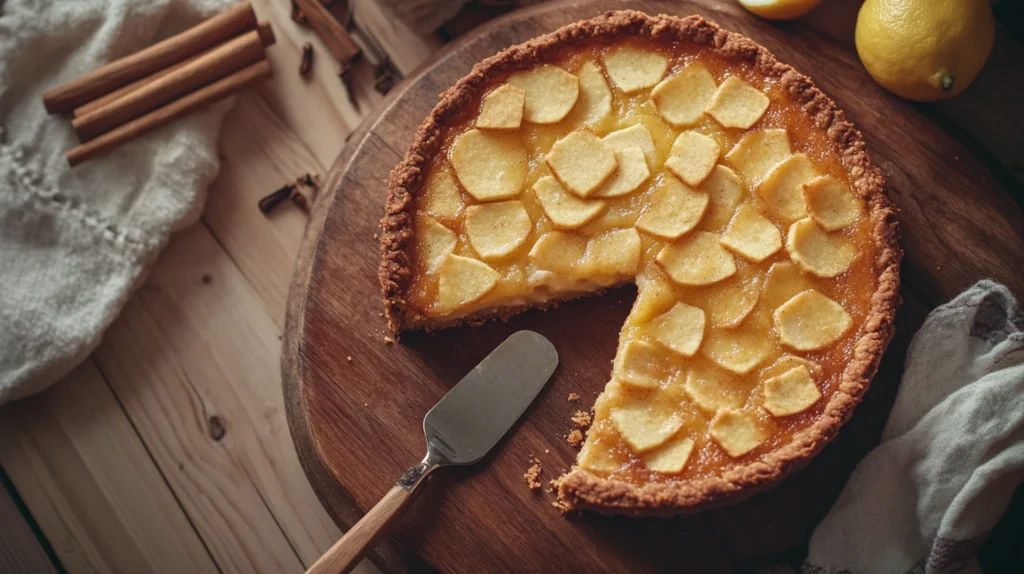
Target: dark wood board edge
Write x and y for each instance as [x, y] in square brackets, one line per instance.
[389, 556]
[333, 497]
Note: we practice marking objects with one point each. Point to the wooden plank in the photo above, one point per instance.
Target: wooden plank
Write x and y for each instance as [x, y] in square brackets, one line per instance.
[90, 484]
[406, 48]
[265, 154]
[315, 108]
[194, 361]
[20, 550]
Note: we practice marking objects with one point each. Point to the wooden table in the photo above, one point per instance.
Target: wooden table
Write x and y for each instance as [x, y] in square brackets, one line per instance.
[168, 449]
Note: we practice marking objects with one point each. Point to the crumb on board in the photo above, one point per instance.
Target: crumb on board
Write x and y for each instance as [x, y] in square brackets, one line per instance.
[561, 506]
[581, 419]
[573, 397]
[575, 438]
[532, 475]
[388, 340]
[547, 451]
[349, 358]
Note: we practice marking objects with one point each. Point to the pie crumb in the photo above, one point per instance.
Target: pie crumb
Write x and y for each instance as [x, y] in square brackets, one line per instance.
[575, 438]
[581, 419]
[532, 474]
[547, 451]
[349, 358]
[573, 397]
[388, 340]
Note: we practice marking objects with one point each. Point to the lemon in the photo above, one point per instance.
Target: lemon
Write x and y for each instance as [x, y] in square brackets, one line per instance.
[924, 50]
[779, 9]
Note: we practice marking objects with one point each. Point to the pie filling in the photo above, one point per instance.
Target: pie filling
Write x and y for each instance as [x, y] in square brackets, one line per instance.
[693, 176]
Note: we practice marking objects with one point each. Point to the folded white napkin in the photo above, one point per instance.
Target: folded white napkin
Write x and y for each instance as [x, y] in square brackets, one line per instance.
[952, 452]
[74, 242]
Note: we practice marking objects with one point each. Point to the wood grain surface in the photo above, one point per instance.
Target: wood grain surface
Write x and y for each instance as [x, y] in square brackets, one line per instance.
[356, 423]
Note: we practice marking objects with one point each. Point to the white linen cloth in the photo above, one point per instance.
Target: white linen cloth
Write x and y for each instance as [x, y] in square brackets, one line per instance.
[951, 454]
[75, 242]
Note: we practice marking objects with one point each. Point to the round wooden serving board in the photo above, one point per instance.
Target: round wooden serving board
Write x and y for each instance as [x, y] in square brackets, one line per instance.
[357, 423]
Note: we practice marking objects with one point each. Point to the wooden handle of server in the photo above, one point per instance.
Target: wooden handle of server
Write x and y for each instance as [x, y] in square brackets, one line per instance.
[216, 63]
[201, 97]
[347, 552]
[216, 30]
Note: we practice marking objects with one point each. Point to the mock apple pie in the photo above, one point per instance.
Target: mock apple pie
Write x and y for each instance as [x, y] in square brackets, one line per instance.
[684, 158]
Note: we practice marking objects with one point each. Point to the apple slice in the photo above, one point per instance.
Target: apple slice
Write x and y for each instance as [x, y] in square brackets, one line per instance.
[491, 166]
[692, 157]
[496, 230]
[737, 104]
[632, 69]
[551, 93]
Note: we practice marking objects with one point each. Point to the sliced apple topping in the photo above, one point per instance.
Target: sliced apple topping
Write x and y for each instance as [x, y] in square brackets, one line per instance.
[640, 364]
[490, 166]
[655, 295]
[757, 153]
[697, 259]
[783, 280]
[830, 203]
[435, 241]
[565, 210]
[632, 69]
[781, 188]
[614, 253]
[737, 433]
[502, 109]
[671, 457]
[463, 281]
[597, 456]
[811, 321]
[673, 209]
[595, 100]
[737, 104]
[789, 362]
[551, 93]
[635, 135]
[713, 389]
[725, 190]
[558, 252]
[632, 173]
[752, 235]
[729, 302]
[692, 157]
[736, 350]
[581, 162]
[817, 251]
[681, 329]
[496, 230]
[790, 393]
[645, 423]
[682, 99]
[441, 195]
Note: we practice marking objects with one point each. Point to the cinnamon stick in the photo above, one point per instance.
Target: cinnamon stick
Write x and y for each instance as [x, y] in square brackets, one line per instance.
[229, 57]
[209, 33]
[170, 112]
[330, 31]
[104, 100]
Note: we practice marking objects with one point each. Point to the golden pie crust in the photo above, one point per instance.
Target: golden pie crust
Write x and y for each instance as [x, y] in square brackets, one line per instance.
[582, 488]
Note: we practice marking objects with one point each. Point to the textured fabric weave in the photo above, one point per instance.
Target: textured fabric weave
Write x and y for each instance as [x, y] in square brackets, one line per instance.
[75, 242]
[952, 452]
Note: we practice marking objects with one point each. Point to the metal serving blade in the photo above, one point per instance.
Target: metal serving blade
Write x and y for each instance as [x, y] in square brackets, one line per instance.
[473, 416]
[478, 411]
[461, 428]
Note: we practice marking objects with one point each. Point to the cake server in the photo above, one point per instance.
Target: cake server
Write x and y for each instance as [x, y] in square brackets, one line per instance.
[461, 429]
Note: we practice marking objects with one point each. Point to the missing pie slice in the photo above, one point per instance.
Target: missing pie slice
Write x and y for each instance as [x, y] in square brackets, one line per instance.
[667, 152]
